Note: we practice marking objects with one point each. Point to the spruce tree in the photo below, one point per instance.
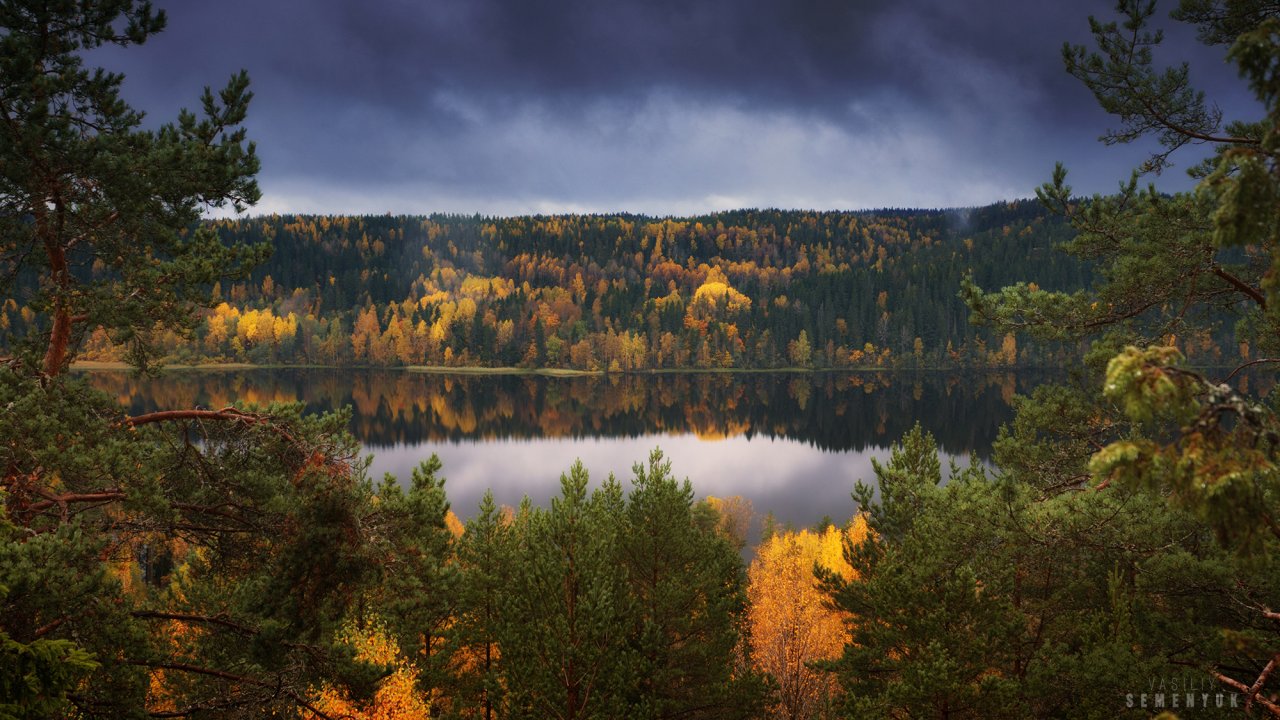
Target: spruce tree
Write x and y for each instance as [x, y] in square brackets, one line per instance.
[419, 593]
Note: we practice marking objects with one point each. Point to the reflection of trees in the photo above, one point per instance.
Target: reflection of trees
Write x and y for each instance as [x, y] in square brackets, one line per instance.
[833, 411]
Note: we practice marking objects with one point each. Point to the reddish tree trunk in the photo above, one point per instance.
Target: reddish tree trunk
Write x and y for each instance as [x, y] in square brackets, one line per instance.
[55, 356]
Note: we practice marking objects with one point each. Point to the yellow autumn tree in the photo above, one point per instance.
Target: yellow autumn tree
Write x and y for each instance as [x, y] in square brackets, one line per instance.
[284, 329]
[366, 336]
[1009, 350]
[714, 300]
[98, 346]
[221, 325]
[256, 326]
[395, 698]
[791, 624]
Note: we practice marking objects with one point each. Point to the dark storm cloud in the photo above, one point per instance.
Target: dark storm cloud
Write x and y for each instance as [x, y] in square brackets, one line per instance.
[655, 105]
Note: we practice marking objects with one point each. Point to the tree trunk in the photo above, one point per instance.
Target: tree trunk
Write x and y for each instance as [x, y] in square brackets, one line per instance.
[55, 356]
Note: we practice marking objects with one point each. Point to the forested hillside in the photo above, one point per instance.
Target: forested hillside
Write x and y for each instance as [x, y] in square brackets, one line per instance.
[750, 288]
[741, 289]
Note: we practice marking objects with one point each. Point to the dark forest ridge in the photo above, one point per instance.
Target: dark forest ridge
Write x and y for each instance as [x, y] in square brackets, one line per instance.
[744, 288]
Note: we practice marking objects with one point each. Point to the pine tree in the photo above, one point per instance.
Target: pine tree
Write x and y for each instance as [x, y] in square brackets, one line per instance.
[564, 629]
[484, 561]
[94, 205]
[688, 588]
[1193, 447]
[181, 562]
[419, 594]
[979, 598]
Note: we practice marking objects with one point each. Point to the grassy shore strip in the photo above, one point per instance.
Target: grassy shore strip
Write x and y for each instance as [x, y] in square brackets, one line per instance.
[115, 365]
[97, 365]
[570, 372]
[474, 370]
[120, 365]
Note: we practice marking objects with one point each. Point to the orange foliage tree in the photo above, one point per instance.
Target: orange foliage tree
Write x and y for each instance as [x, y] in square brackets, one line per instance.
[791, 624]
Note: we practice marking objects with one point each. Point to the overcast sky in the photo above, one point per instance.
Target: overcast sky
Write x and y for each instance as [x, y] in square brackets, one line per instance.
[654, 106]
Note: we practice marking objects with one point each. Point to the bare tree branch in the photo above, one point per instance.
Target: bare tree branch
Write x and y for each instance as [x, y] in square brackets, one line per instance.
[1250, 694]
[225, 414]
[212, 672]
[1244, 287]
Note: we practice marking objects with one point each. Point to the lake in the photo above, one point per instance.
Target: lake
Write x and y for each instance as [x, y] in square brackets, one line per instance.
[791, 443]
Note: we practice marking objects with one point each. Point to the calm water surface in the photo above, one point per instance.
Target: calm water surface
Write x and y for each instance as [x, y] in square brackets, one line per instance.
[793, 444]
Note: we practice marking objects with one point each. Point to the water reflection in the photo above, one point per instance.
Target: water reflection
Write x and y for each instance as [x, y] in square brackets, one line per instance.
[796, 482]
[792, 444]
[832, 411]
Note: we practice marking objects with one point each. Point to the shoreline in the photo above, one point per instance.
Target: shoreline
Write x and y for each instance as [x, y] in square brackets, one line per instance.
[120, 366]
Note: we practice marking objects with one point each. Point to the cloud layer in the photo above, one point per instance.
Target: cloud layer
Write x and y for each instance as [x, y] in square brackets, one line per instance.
[657, 106]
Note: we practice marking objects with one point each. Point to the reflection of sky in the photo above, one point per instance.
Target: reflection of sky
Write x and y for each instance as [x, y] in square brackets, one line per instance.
[796, 481]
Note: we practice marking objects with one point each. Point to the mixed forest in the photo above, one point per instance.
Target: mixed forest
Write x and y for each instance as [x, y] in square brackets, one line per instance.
[1119, 556]
[745, 289]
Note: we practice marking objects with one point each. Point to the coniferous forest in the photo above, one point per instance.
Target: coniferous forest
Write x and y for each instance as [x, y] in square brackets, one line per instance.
[1118, 556]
